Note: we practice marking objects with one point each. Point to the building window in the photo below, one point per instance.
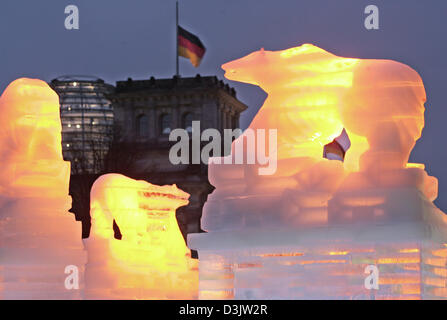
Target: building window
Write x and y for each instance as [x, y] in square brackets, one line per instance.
[187, 122]
[165, 123]
[142, 125]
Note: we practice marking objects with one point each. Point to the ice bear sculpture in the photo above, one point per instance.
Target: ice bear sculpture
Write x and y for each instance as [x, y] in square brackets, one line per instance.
[151, 260]
[312, 96]
[42, 255]
[316, 228]
[304, 86]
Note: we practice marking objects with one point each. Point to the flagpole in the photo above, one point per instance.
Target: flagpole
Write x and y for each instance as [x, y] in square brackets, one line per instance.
[176, 32]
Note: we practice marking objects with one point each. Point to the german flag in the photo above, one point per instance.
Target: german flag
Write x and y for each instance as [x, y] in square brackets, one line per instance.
[190, 46]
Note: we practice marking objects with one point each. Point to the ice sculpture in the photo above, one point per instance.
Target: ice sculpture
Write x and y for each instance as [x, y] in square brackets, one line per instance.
[39, 238]
[151, 260]
[310, 229]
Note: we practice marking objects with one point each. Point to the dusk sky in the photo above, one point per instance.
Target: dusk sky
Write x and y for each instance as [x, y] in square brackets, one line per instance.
[118, 39]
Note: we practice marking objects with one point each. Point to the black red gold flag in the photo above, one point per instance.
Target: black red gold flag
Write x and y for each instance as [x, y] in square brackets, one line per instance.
[190, 46]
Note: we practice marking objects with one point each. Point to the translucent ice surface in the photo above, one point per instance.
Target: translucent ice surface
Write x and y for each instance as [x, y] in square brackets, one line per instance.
[151, 260]
[39, 238]
[311, 229]
[312, 96]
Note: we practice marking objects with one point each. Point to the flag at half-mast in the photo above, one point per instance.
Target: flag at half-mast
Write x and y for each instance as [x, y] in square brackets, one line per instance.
[190, 46]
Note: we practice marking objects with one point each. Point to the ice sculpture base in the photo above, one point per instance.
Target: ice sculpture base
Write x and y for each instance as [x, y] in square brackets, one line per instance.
[38, 240]
[108, 278]
[329, 261]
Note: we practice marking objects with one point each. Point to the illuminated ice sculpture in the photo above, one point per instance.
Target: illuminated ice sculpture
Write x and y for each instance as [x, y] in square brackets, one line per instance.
[311, 229]
[39, 239]
[151, 260]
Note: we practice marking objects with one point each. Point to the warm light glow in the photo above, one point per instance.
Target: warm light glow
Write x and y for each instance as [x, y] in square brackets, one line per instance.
[407, 289]
[437, 262]
[305, 48]
[331, 219]
[399, 279]
[312, 96]
[440, 253]
[320, 261]
[343, 79]
[305, 87]
[413, 250]
[285, 254]
[411, 267]
[442, 272]
[398, 260]
[217, 294]
[30, 141]
[437, 282]
[440, 292]
[39, 238]
[416, 165]
[338, 253]
[248, 265]
[152, 246]
[371, 201]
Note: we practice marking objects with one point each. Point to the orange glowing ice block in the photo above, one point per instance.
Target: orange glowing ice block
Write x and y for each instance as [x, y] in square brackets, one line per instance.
[30, 140]
[305, 87]
[310, 229]
[38, 237]
[312, 96]
[151, 261]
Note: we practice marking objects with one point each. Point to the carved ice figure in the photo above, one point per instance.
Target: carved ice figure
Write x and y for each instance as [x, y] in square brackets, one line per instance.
[312, 96]
[30, 140]
[304, 86]
[151, 260]
[39, 238]
[312, 229]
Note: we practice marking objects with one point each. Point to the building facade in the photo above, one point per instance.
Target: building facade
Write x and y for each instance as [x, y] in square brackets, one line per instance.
[87, 121]
[146, 111]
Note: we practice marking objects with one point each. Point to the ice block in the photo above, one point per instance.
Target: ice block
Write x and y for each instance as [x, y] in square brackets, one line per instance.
[151, 260]
[310, 229]
[39, 238]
